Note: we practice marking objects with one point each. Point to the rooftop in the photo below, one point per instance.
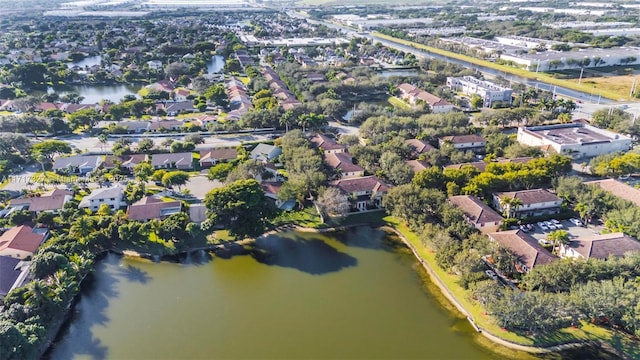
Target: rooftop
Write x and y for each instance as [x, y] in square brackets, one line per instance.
[528, 197]
[565, 134]
[605, 245]
[618, 189]
[525, 246]
[475, 210]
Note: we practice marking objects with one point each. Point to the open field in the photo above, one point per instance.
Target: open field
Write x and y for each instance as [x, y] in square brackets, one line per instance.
[619, 84]
[547, 78]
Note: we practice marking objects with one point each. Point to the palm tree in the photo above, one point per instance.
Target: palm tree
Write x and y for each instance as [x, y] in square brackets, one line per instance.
[81, 228]
[558, 237]
[286, 120]
[510, 206]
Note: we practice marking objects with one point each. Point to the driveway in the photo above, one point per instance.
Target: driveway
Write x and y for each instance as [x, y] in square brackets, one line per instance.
[199, 186]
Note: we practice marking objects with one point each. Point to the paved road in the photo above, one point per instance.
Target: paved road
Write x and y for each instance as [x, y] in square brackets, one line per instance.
[582, 96]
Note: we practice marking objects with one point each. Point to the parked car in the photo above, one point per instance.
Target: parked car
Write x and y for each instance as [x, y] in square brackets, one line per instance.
[550, 225]
[491, 274]
[524, 228]
[555, 221]
[530, 227]
[576, 222]
[543, 226]
[544, 242]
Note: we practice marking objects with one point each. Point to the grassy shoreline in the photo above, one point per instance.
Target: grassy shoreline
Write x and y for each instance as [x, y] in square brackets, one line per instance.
[614, 341]
[544, 77]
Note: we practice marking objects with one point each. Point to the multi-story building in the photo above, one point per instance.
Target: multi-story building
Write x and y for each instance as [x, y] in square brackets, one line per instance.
[488, 91]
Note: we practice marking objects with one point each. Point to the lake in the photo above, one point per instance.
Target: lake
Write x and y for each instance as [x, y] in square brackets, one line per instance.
[93, 93]
[292, 296]
[88, 61]
[216, 65]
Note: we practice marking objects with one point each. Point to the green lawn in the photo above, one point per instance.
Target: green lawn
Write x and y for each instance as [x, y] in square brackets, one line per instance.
[618, 340]
[398, 103]
[547, 78]
[307, 217]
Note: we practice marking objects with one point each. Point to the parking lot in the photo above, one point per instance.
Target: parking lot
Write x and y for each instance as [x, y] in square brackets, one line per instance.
[574, 231]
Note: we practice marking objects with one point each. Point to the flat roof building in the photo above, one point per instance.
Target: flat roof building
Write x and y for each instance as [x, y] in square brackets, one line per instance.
[562, 60]
[488, 91]
[575, 140]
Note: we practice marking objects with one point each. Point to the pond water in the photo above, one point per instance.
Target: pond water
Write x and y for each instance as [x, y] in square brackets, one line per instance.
[93, 93]
[216, 65]
[389, 73]
[291, 296]
[88, 61]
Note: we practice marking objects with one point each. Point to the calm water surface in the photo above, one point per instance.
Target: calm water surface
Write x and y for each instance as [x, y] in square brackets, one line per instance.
[295, 296]
[215, 65]
[93, 93]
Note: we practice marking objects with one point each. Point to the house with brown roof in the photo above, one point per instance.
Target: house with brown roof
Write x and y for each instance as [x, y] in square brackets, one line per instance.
[343, 163]
[471, 142]
[364, 192]
[619, 189]
[150, 207]
[601, 246]
[534, 202]
[21, 242]
[166, 125]
[417, 165]
[530, 254]
[272, 190]
[211, 157]
[419, 147]
[415, 95]
[13, 273]
[124, 161]
[52, 202]
[182, 161]
[477, 214]
[326, 144]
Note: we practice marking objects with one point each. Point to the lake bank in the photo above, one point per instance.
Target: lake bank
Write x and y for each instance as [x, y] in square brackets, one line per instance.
[289, 295]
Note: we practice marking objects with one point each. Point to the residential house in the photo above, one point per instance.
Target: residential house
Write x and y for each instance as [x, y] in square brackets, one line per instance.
[534, 202]
[135, 127]
[415, 95]
[471, 142]
[327, 144]
[343, 164]
[52, 202]
[154, 64]
[165, 125]
[601, 246]
[182, 161]
[174, 108]
[13, 273]
[619, 189]
[124, 161]
[77, 164]
[417, 165]
[419, 147]
[477, 213]
[181, 94]
[211, 157]
[21, 242]
[271, 191]
[364, 192]
[160, 86]
[265, 152]
[530, 254]
[205, 120]
[149, 208]
[112, 196]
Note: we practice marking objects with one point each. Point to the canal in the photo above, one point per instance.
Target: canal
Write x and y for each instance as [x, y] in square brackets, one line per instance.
[293, 296]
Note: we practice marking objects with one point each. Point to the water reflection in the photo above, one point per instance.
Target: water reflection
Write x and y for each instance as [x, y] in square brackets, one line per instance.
[312, 256]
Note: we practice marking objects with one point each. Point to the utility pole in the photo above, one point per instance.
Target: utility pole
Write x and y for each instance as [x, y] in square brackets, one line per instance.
[580, 79]
[633, 88]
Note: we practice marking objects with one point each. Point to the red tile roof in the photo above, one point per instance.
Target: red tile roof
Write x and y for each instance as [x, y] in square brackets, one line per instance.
[21, 238]
[342, 161]
[525, 246]
[150, 208]
[325, 143]
[475, 210]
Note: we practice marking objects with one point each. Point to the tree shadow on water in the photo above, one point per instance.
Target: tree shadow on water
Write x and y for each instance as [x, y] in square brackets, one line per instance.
[370, 238]
[312, 256]
[133, 274]
[76, 337]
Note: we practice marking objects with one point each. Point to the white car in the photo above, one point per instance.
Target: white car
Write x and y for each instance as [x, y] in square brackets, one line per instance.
[576, 222]
[555, 221]
[544, 242]
[491, 274]
[543, 226]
